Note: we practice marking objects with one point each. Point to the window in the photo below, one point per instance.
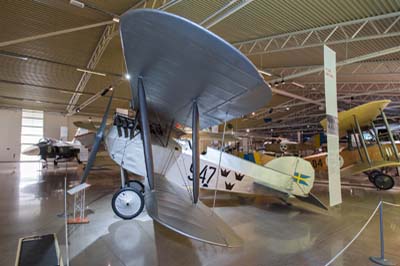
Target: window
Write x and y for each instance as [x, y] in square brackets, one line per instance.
[31, 131]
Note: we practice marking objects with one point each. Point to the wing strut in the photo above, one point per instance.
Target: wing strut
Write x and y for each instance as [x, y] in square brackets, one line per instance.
[360, 134]
[97, 141]
[358, 145]
[195, 151]
[145, 129]
[396, 152]
[378, 140]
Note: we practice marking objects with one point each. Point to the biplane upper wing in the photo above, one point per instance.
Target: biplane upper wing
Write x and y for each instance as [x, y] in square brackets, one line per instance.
[209, 136]
[365, 114]
[91, 126]
[180, 63]
[365, 167]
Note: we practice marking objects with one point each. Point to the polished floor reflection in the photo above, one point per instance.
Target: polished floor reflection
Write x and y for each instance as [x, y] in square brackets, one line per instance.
[32, 202]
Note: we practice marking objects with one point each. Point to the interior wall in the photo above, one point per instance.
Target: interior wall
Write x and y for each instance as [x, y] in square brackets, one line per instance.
[10, 135]
[52, 124]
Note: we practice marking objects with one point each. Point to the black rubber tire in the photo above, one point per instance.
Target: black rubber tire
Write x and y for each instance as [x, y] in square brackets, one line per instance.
[55, 162]
[383, 181]
[136, 184]
[371, 175]
[133, 215]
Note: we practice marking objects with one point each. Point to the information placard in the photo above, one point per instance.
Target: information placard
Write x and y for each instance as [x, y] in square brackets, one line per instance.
[335, 193]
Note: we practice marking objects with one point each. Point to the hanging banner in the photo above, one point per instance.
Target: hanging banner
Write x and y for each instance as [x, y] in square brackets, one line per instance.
[332, 132]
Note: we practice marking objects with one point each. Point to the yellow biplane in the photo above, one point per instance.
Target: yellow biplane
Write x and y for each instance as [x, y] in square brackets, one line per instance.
[368, 155]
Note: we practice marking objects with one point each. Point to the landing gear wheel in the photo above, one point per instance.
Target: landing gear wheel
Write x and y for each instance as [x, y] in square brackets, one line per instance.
[383, 181]
[127, 203]
[137, 185]
[371, 175]
[55, 162]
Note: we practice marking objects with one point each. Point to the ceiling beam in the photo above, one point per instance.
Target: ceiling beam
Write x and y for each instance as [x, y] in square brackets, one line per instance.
[94, 59]
[218, 12]
[56, 33]
[349, 61]
[109, 32]
[350, 31]
[60, 90]
[227, 14]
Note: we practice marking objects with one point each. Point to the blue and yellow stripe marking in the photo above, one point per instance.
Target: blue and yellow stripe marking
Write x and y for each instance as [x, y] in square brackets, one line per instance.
[300, 178]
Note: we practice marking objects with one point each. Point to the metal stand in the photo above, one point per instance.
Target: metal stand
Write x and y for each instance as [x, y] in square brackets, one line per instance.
[381, 260]
[66, 221]
[79, 193]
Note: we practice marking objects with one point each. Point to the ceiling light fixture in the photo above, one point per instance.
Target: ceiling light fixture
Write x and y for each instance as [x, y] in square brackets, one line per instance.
[77, 3]
[127, 76]
[265, 73]
[91, 72]
[298, 84]
[247, 130]
[115, 19]
[11, 55]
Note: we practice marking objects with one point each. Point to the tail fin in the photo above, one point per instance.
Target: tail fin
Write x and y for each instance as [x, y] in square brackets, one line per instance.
[300, 170]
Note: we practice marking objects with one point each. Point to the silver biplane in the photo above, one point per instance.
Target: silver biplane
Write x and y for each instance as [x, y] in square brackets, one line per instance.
[182, 73]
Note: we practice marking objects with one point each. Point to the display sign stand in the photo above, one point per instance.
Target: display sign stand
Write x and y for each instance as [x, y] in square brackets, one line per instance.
[79, 194]
[335, 193]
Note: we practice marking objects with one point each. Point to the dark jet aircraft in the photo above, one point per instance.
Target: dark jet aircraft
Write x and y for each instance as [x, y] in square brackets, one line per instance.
[55, 149]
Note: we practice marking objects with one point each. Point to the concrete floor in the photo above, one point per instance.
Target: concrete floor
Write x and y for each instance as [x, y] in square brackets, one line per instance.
[32, 202]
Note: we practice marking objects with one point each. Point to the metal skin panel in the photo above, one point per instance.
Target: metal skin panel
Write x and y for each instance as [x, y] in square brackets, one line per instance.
[180, 61]
[129, 153]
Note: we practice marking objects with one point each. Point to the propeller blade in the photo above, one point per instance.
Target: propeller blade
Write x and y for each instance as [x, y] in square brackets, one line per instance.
[97, 141]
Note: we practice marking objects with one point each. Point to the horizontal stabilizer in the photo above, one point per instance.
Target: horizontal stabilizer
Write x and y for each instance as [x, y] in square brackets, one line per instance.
[312, 199]
[172, 207]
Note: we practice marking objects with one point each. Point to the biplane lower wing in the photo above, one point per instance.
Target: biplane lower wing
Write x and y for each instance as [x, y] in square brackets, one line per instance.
[170, 206]
[365, 167]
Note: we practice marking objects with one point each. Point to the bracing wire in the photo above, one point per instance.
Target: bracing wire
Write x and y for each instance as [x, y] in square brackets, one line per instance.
[219, 166]
[183, 177]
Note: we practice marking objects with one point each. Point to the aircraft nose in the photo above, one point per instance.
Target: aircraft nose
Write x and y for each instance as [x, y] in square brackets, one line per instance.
[31, 150]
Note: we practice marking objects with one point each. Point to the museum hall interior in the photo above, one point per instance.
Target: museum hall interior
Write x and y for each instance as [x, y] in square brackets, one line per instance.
[199, 132]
